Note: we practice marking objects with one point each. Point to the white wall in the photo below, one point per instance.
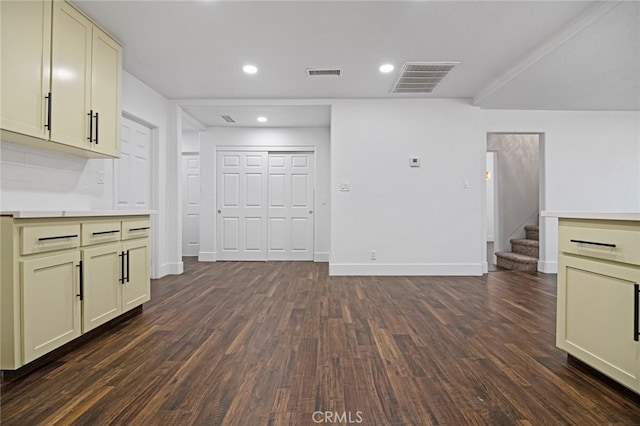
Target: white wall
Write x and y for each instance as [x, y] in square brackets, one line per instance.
[142, 103]
[591, 163]
[190, 142]
[41, 179]
[263, 137]
[420, 221]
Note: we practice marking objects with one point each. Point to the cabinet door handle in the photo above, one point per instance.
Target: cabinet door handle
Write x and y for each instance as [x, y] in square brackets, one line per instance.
[57, 238]
[594, 243]
[47, 125]
[106, 232]
[128, 266]
[97, 121]
[81, 295]
[138, 229]
[121, 268]
[636, 309]
[90, 138]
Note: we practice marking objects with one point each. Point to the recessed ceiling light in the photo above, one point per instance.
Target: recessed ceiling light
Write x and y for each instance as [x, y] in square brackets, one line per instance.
[250, 69]
[262, 119]
[386, 68]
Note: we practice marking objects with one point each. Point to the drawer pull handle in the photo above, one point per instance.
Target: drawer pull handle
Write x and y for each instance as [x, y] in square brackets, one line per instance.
[106, 232]
[81, 294]
[636, 309]
[138, 229]
[90, 138]
[594, 243]
[122, 277]
[57, 238]
[48, 123]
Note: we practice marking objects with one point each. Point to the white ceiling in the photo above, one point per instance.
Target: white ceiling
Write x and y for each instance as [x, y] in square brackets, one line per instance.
[514, 54]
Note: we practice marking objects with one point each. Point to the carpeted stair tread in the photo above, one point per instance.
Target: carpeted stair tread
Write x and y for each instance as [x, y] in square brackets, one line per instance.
[516, 257]
[525, 242]
[532, 232]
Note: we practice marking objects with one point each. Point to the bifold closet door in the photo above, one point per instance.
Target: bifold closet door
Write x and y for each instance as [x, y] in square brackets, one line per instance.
[241, 205]
[290, 213]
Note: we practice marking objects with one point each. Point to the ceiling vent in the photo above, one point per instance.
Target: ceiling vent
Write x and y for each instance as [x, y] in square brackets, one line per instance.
[422, 77]
[228, 118]
[324, 72]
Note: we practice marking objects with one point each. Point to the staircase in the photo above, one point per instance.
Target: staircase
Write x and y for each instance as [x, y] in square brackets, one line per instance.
[524, 252]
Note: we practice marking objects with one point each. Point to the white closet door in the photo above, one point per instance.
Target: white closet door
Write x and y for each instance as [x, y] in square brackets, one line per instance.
[290, 214]
[190, 204]
[133, 167]
[241, 205]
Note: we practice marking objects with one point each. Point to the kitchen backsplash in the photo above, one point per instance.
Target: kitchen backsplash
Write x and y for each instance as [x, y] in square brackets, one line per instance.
[36, 179]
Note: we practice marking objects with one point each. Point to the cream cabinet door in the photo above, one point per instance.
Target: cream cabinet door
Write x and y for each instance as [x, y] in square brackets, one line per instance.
[50, 303]
[71, 76]
[597, 319]
[105, 90]
[137, 287]
[25, 52]
[102, 293]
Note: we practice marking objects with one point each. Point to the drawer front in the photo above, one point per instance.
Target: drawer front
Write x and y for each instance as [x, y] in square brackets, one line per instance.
[44, 238]
[616, 241]
[135, 228]
[101, 232]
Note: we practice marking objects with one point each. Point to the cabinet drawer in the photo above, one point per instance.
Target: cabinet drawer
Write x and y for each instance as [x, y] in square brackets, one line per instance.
[138, 228]
[103, 232]
[609, 240]
[44, 238]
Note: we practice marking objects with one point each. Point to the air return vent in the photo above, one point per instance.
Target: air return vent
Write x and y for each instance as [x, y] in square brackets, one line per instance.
[324, 72]
[228, 119]
[422, 77]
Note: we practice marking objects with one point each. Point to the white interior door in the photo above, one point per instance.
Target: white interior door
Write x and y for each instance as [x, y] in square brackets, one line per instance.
[190, 204]
[290, 213]
[241, 205]
[133, 187]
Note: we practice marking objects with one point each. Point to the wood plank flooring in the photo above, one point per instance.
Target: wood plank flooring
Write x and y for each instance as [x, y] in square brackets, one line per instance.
[271, 343]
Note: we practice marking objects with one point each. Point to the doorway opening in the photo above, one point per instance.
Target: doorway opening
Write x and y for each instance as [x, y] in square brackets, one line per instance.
[513, 179]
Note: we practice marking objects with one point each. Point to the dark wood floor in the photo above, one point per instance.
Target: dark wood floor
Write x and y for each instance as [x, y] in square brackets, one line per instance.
[270, 343]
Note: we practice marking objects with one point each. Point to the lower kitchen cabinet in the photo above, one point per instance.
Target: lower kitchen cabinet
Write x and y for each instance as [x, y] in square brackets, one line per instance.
[64, 277]
[51, 303]
[101, 273]
[598, 317]
[115, 280]
[136, 289]
[600, 321]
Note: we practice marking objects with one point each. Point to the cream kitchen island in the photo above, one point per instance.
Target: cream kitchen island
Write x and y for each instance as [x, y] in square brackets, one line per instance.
[65, 273]
[598, 317]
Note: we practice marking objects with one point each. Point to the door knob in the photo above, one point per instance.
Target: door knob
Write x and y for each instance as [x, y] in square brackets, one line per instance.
[219, 211]
[310, 211]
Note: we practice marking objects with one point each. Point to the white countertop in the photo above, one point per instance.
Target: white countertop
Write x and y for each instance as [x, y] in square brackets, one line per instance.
[594, 215]
[30, 214]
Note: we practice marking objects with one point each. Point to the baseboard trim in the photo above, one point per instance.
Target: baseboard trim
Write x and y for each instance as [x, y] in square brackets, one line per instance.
[463, 269]
[321, 256]
[171, 269]
[485, 267]
[547, 267]
[207, 256]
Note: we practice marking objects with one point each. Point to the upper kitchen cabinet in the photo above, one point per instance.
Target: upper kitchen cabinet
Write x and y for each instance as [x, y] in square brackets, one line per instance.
[25, 78]
[78, 99]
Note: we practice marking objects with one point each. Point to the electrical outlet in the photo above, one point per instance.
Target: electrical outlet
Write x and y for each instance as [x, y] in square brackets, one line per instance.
[372, 255]
[100, 177]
